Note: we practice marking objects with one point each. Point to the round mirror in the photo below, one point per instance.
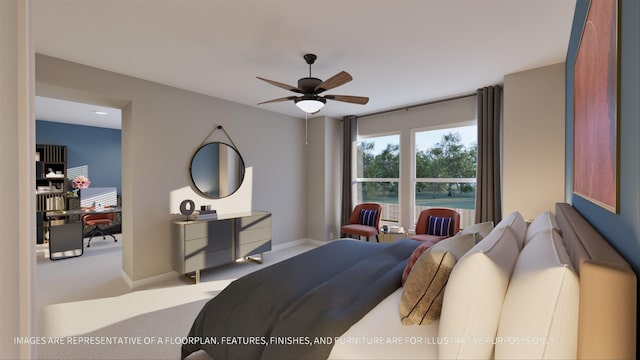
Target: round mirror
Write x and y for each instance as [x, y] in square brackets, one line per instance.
[217, 170]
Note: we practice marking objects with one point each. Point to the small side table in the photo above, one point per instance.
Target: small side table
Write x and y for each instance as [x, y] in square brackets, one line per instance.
[390, 231]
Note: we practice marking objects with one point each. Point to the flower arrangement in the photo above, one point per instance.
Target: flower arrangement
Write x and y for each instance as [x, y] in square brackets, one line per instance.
[80, 182]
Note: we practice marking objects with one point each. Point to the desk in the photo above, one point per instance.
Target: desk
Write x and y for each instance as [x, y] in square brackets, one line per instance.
[66, 240]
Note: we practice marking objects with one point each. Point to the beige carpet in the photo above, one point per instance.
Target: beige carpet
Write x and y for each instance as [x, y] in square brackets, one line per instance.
[85, 305]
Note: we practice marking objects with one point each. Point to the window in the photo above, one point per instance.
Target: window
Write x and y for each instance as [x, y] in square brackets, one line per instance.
[445, 171]
[378, 173]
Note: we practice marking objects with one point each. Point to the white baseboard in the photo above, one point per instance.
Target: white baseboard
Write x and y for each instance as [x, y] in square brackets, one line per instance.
[135, 284]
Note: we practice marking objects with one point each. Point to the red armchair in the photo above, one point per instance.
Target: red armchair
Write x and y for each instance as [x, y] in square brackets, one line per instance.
[363, 221]
[424, 233]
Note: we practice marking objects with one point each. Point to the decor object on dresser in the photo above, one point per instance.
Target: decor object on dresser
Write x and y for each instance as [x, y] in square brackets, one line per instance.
[364, 221]
[202, 244]
[187, 207]
[435, 224]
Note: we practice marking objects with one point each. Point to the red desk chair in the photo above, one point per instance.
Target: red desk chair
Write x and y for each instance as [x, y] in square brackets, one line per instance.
[100, 223]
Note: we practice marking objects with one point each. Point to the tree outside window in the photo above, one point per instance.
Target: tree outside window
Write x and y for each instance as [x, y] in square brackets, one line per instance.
[378, 173]
[446, 170]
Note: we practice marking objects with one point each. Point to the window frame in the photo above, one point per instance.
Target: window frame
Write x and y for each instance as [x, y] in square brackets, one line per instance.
[360, 180]
[414, 180]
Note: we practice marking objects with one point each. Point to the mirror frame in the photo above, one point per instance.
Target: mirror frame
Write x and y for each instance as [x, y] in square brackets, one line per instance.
[193, 182]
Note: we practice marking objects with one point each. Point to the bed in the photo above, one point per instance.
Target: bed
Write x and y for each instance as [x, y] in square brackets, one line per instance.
[552, 289]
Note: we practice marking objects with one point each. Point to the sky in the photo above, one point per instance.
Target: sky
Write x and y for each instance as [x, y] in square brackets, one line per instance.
[427, 139]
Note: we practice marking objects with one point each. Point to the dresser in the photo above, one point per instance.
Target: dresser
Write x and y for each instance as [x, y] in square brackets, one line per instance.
[203, 244]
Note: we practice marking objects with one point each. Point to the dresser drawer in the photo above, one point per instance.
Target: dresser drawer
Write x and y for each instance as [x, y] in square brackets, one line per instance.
[199, 245]
[207, 259]
[206, 244]
[253, 248]
[253, 235]
[254, 221]
[197, 230]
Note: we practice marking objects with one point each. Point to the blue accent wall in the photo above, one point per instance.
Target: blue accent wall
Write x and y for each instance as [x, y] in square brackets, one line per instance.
[621, 229]
[99, 148]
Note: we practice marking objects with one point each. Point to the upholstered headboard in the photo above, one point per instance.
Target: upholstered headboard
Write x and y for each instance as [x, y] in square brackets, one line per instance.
[608, 290]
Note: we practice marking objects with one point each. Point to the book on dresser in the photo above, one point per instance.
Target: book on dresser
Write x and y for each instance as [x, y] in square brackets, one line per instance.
[207, 215]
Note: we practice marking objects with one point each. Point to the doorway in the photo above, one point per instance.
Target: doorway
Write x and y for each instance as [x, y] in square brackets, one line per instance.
[91, 138]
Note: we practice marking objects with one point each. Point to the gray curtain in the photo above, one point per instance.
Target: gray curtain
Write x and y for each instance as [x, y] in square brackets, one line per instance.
[488, 194]
[349, 133]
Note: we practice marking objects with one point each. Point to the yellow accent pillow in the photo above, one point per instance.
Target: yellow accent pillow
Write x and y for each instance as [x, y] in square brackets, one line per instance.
[423, 291]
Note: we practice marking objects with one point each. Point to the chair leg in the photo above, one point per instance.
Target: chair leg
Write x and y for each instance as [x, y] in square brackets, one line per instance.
[102, 231]
[377, 238]
[91, 236]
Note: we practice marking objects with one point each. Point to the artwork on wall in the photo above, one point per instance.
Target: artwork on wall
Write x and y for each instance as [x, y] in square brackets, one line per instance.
[595, 162]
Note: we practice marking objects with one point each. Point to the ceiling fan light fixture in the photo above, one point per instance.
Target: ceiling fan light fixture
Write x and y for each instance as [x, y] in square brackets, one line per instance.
[310, 104]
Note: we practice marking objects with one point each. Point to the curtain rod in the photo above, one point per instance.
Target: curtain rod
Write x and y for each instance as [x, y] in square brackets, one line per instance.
[407, 108]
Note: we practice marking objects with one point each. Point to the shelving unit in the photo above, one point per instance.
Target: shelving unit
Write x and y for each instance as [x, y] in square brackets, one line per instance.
[51, 183]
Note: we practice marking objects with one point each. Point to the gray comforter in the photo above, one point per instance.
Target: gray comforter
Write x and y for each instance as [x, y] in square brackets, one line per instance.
[294, 309]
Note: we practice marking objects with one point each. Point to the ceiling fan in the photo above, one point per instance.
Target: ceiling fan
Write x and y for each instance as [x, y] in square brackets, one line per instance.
[310, 101]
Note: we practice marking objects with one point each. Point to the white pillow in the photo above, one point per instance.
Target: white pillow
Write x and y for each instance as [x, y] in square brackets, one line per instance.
[516, 223]
[473, 297]
[543, 222]
[539, 317]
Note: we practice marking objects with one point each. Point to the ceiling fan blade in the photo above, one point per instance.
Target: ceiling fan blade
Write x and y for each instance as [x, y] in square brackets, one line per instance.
[362, 100]
[281, 85]
[336, 80]
[278, 100]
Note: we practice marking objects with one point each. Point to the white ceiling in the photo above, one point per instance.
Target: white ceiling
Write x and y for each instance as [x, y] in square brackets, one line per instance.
[399, 52]
[76, 113]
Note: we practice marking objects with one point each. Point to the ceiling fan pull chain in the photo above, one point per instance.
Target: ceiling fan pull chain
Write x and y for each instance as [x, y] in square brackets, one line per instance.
[306, 128]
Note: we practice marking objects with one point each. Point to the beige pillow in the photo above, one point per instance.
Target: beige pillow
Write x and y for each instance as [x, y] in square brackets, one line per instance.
[423, 291]
[540, 311]
[481, 230]
[543, 222]
[516, 223]
[458, 245]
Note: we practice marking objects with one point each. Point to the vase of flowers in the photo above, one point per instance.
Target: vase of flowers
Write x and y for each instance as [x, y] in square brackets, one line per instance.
[80, 182]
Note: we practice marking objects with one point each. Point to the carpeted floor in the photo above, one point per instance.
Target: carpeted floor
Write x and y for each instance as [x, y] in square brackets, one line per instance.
[88, 309]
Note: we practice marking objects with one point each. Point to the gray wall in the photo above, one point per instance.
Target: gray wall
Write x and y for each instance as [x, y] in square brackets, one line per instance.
[324, 173]
[161, 128]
